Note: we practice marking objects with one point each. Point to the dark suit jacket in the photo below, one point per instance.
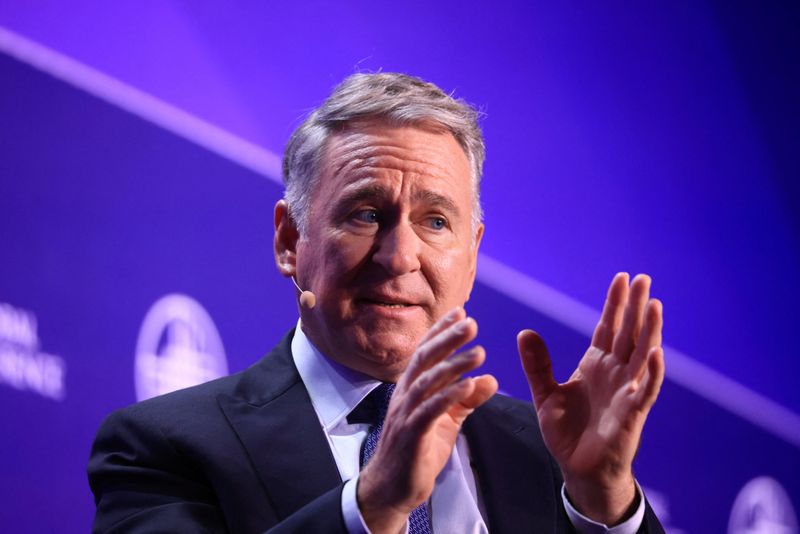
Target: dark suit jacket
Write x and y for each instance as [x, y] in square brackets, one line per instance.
[246, 453]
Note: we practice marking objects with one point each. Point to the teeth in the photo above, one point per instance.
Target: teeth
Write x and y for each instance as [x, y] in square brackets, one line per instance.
[391, 305]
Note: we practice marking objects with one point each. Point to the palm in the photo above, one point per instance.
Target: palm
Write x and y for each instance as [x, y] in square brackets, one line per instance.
[592, 423]
[587, 422]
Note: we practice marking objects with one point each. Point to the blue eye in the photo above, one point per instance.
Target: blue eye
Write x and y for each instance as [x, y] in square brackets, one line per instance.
[438, 223]
[366, 216]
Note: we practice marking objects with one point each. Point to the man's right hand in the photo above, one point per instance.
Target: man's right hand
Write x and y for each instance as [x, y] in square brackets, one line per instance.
[428, 407]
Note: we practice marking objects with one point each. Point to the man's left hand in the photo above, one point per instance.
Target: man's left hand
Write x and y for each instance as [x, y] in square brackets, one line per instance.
[592, 423]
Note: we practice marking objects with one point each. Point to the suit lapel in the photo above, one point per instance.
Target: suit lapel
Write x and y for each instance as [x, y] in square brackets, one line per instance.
[272, 414]
[515, 474]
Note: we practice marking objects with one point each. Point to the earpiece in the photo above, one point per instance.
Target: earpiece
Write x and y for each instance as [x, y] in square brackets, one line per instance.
[307, 298]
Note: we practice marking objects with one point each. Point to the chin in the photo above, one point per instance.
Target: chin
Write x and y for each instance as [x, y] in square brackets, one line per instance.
[391, 351]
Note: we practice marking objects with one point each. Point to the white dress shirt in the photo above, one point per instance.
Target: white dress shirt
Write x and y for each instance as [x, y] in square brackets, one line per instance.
[455, 505]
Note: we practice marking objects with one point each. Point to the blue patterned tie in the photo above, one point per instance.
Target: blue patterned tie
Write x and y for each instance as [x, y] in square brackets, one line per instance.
[418, 522]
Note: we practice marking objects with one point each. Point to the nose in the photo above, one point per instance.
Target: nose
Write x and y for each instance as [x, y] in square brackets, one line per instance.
[398, 249]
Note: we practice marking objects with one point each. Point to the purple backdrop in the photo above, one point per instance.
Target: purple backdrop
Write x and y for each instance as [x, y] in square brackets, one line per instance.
[657, 139]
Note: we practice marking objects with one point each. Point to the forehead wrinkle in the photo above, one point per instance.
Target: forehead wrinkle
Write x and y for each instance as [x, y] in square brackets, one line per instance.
[364, 166]
[355, 157]
[366, 189]
[357, 151]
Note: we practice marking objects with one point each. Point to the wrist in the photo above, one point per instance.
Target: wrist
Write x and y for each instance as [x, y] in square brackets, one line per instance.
[379, 516]
[609, 503]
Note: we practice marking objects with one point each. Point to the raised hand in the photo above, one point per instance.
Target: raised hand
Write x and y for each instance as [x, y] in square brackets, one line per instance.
[592, 423]
[428, 407]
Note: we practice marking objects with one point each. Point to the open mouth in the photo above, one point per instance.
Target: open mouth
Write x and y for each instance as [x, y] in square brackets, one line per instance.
[396, 305]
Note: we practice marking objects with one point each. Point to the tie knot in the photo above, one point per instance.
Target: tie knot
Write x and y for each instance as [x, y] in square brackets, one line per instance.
[372, 409]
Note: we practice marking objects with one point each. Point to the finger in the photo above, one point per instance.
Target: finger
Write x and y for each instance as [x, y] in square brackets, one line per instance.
[650, 384]
[632, 319]
[485, 387]
[453, 398]
[611, 317]
[438, 348]
[443, 374]
[536, 364]
[450, 318]
[422, 418]
[649, 338]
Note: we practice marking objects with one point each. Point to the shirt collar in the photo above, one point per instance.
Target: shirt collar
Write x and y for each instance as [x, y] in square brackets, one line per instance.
[333, 388]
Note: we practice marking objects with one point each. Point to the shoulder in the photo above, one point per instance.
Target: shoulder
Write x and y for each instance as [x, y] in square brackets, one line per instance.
[197, 403]
[193, 415]
[168, 430]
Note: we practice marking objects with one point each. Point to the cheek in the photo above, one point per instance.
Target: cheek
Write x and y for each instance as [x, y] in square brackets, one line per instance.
[337, 257]
[449, 277]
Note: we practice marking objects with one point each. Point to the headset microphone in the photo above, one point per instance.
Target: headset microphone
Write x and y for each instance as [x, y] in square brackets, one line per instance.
[307, 298]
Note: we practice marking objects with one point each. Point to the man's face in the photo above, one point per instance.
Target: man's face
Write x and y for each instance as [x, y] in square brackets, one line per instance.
[389, 247]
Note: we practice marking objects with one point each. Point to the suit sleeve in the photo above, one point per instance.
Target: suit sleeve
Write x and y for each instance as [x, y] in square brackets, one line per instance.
[143, 484]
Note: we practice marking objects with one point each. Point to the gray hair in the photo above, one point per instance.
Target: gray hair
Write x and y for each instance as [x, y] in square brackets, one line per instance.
[396, 98]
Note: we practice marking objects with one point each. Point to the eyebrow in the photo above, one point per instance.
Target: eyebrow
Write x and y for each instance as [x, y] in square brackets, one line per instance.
[436, 199]
[376, 191]
[361, 193]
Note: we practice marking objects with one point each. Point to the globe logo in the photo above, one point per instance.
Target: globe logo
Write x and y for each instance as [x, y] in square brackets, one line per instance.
[762, 507]
[178, 347]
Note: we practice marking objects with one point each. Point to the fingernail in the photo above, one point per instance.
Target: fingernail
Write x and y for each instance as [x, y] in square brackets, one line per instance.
[465, 324]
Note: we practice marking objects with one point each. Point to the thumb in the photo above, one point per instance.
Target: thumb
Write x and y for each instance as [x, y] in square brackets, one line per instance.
[536, 364]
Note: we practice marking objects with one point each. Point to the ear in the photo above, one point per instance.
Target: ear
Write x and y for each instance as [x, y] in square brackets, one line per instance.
[473, 264]
[285, 241]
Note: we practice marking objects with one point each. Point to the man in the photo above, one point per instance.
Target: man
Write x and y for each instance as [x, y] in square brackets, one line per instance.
[381, 221]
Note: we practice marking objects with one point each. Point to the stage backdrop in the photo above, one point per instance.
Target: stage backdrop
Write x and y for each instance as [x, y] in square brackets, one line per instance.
[136, 239]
